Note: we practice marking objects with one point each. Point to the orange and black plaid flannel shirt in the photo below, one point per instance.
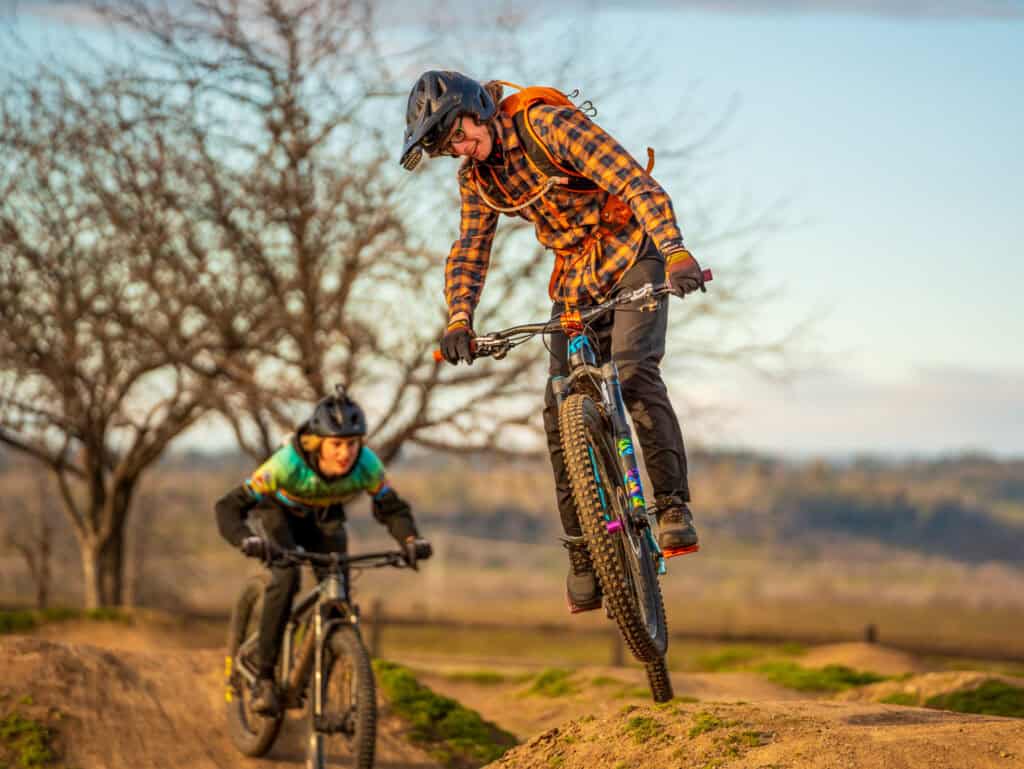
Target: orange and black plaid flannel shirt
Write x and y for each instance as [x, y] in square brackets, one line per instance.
[565, 219]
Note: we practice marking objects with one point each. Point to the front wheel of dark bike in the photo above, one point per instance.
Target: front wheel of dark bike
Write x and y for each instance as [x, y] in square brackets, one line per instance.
[252, 734]
[350, 701]
[620, 548]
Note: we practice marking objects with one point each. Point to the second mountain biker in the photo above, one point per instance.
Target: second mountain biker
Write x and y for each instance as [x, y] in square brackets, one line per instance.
[299, 495]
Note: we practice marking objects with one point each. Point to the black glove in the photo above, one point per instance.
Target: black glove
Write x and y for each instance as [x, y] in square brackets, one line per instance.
[258, 547]
[457, 342]
[682, 272]
[416, 550]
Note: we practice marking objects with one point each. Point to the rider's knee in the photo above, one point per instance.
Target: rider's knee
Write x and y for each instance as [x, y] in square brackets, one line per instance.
[638, 378]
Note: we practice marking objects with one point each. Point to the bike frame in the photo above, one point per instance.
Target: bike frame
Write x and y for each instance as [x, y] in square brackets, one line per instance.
[583, 362]
[326, 606]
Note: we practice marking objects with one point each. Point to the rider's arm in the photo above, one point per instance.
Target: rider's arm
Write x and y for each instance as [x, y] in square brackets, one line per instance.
[388, 508]
[466, 268]
[234, 506]
[232, 509]
[584, 146]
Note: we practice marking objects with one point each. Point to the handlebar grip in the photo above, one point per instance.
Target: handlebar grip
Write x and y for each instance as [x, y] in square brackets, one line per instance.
[438, 356]
[706, 274]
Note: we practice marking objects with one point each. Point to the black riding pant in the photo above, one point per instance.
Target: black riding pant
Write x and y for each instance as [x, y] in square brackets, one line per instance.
[636, 342]
[287, 530]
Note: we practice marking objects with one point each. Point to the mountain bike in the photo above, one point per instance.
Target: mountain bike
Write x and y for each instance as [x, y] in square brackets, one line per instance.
[597, 440]
[322, 658]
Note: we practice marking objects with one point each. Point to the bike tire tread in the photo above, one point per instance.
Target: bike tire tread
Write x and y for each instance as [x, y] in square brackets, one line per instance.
[602, 545]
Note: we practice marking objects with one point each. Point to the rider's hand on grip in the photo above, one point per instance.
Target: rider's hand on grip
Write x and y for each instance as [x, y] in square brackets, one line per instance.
[683, 272]
[457, 343]
[416, 550]
[258, 547]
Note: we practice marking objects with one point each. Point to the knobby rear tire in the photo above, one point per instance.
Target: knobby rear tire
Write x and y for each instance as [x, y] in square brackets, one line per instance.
[347, 653]
[582, 425]
[658, 678]
[253, 735]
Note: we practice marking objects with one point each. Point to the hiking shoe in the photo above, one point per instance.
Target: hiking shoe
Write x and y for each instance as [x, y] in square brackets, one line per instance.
[264, 697]
[675, 526]
[581, 585]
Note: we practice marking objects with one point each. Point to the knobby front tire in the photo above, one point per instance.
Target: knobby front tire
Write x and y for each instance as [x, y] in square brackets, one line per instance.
[350, 695]
[251, 733]
[625, 564]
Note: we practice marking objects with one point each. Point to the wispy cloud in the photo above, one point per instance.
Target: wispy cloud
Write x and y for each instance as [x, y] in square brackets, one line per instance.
[936, 410]
[409, 11]
[925, 9]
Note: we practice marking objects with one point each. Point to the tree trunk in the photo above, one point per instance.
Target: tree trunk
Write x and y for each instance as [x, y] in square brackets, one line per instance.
[112, 569]
[91, 574]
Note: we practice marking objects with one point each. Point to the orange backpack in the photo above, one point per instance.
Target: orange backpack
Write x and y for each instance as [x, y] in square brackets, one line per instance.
[615, 213]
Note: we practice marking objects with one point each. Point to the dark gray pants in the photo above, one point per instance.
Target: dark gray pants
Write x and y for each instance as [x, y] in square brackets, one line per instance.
[636, 342]
[287, 531]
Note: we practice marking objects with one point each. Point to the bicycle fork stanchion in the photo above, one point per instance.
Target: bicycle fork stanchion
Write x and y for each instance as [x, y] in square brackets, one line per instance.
[315, 749]
[626, 453]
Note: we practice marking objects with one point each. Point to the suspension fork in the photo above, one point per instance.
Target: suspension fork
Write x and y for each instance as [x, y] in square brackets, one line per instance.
[627, 460]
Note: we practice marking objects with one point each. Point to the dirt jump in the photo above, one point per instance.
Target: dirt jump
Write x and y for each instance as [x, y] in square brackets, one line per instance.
[138, 703]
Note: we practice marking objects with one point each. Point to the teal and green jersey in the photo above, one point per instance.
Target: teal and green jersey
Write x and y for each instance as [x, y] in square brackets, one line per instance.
[287, 478]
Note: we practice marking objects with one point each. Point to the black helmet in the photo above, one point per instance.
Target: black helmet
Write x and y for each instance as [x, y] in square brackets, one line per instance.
[336, 416]
[435, 103]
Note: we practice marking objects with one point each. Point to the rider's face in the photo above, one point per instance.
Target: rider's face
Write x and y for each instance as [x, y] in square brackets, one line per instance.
[337, 455]
[469, 139]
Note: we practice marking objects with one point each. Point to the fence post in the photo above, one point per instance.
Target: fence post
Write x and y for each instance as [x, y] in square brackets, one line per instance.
[871, 634]
[376, 620]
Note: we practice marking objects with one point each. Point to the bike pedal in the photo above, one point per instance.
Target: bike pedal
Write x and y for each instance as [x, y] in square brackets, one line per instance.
[672, 552]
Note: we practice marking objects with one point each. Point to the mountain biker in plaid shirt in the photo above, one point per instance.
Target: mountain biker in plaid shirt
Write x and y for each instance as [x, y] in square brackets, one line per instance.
[451, 114]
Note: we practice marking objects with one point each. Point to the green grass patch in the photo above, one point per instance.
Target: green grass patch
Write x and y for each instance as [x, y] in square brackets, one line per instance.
[480, 677]
[831, 678]
[452, 733]
[23, 620]
[606, 681]
[703, 721]
[553, 682]
[728, 658]
[643, 729]
[908, 699]
[26, 742]
[992, 698]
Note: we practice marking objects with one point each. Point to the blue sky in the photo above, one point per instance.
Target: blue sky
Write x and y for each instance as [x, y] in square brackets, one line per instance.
[896, 142]
[893, 131]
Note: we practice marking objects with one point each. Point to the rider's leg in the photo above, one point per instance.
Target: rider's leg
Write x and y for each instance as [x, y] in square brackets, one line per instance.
[328, 536]
[580, 583]
[637, 346]
[277, 599]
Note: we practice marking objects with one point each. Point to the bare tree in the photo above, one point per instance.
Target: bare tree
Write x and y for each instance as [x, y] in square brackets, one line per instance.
[294, 186]
[80, 391]
[32, 531]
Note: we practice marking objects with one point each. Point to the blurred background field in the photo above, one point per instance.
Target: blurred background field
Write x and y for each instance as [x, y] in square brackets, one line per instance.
[927, 552]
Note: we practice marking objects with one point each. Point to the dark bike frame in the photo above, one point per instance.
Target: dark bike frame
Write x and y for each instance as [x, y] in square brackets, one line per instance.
[583, 364]
[324, 608]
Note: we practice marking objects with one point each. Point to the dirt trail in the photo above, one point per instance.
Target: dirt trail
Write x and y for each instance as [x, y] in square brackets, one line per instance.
[774, 735]
[145, 702]
[121, 708]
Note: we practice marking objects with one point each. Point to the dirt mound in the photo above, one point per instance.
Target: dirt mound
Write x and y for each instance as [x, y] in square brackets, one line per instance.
[511, 697]
[863, 656]
[923, 687]
[809, 735]
[120, 708]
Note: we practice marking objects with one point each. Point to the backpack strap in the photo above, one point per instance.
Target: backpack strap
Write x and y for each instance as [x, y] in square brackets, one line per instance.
[540, 157]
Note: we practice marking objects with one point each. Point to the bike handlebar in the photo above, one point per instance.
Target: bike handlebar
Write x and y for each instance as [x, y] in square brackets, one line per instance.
[498, 343]
[362, 561]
